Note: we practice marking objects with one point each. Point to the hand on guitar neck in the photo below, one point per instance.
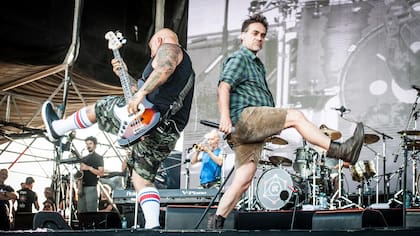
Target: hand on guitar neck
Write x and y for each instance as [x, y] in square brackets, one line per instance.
[133, 125]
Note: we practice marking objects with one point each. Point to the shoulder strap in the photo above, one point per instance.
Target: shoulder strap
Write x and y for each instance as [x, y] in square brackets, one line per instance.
[178, 103]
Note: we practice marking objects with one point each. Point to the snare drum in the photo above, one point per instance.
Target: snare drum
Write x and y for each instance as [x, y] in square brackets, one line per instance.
[363, 170]
[275, 189]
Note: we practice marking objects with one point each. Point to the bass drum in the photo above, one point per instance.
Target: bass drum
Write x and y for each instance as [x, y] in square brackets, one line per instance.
[275, 189]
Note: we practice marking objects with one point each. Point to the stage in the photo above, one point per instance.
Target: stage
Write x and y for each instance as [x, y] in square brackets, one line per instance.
[122, 232]
[183, 220]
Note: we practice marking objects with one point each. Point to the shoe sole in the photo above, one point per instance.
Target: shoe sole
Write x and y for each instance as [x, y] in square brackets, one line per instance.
[44, 119]
[358, 145]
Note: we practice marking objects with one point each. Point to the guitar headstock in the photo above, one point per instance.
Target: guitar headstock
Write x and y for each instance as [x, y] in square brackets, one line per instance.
[115, 40]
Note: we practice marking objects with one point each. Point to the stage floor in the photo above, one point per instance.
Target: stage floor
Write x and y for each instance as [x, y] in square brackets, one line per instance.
[183, 220]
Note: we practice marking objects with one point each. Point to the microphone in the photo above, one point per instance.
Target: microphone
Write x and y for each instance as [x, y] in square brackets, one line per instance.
[341, 109]
[214, 125]
[395, 157]
[416, 88]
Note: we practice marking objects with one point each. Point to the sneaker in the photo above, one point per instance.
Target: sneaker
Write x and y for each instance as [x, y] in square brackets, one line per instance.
[48, 116]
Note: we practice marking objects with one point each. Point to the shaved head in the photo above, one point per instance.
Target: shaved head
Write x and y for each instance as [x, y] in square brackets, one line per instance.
[167, 35]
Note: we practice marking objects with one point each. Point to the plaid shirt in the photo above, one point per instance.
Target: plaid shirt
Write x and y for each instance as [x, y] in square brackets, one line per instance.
[245, 73]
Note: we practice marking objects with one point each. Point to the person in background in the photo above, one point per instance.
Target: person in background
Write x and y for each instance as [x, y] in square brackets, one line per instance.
[27, 197]
[7, 193]
[49, 203]
[105, 205]
[210, 156]
[92, 166]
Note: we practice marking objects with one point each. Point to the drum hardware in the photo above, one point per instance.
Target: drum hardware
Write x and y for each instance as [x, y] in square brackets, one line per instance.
[338, 195]
[363, 171]
[371, 138]
[370, 167]
[388, 177]
[412, 117]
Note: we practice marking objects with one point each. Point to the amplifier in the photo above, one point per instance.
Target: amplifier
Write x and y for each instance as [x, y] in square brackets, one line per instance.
[169, 196]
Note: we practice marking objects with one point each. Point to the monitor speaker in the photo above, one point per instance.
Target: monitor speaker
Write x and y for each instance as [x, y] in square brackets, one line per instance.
[50, 220]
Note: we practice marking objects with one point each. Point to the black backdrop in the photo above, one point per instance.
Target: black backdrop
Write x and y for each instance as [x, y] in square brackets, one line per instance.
[40, 32]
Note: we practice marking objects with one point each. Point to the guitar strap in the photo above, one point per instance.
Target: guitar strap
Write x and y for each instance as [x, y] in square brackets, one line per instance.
[178, 103]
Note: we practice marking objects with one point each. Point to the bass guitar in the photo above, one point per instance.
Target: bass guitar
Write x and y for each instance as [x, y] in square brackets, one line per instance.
[132, 126]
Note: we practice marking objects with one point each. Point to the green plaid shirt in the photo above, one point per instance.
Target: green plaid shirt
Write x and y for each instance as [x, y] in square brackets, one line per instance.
[245, 73]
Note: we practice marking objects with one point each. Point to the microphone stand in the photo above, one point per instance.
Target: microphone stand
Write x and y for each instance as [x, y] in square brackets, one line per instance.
[384, 137]
[187, 173]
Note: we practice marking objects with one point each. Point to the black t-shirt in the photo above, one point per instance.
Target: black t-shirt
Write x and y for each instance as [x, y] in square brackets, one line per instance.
[4, 208]
[94, 160]
[168, 92]
[26, 198]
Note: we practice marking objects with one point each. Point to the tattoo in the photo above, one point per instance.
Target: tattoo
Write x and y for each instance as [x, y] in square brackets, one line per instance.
[167, 61]
[167, 57]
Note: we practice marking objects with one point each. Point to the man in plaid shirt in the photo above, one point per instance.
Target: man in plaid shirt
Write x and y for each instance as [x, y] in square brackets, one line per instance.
[246, 104]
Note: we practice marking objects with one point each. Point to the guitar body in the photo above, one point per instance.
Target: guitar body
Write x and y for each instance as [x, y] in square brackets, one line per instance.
[134, 126]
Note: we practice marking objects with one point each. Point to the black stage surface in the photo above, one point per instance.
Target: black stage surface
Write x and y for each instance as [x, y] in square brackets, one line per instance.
[181, 220]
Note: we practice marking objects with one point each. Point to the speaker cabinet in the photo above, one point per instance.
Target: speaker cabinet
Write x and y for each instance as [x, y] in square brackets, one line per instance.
[50, 220]
[99, 220]
[267, 220]
[186, 217]
[23, 220]
[413, 218]
[348, 220]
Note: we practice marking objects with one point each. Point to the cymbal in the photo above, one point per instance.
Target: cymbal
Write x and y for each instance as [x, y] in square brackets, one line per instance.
[413, 145]
[410, 132]
[371, 138]
[333, 134]
[276, 140]
[279, 160]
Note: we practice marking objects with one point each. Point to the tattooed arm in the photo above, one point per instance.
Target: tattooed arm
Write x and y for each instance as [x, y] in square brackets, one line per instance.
[167, 58]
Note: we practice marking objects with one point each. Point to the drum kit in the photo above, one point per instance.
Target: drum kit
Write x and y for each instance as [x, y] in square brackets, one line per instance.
[311, 181]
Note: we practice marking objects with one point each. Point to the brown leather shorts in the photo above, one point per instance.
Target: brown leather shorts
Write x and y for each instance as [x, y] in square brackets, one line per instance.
[255, 125]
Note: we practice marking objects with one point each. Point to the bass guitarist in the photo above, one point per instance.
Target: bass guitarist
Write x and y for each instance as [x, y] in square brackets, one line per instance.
[164, 81]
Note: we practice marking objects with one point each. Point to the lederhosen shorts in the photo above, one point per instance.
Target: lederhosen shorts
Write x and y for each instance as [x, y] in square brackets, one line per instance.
[255, 124]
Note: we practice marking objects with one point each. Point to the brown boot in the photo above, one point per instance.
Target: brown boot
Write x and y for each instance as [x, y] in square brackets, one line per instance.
[349, 150]
[215, 221]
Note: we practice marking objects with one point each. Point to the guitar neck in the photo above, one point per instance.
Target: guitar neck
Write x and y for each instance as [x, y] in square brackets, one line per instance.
[125, 81]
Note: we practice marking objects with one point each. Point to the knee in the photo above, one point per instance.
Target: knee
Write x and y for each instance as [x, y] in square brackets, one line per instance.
[294, 116]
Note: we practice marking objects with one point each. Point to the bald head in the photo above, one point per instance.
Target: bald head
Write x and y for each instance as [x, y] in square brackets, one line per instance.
[163, 36]
[167, 36]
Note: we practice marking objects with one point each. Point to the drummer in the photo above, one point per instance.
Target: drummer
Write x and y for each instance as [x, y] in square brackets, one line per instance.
[210, 155]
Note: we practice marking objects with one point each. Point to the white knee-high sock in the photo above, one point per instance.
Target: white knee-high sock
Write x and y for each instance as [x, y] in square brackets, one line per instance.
[149, 200]
[78, 120]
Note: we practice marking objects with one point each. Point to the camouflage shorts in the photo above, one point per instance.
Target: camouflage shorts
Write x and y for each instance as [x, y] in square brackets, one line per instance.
[147, 154]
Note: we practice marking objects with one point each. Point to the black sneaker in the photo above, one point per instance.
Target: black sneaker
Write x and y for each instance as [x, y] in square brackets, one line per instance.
[48, 116]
